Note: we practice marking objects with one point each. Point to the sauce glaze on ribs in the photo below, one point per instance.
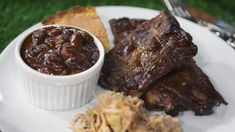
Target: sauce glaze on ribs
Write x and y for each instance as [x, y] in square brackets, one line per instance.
[183, 89]
[153, 49]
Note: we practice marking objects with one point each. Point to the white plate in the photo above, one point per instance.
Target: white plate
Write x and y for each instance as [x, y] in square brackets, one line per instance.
[214, 57]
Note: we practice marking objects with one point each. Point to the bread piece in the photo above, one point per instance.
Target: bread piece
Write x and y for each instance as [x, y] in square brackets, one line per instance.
[83, 17]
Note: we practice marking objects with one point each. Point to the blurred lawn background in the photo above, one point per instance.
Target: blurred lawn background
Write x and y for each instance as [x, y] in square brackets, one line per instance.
[18, 15]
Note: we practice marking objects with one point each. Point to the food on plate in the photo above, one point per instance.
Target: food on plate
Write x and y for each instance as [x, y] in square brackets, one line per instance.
[182, 89]
[152, 50]
[59, 50]
[123, 27]
[118, 113]
[83, 17]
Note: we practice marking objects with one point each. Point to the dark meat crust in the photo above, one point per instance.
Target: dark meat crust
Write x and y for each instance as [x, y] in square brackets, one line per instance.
[123, 27]
[180, 90]
[153, 49]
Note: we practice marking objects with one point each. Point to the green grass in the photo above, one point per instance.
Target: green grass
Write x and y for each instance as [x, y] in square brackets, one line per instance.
[16, 16]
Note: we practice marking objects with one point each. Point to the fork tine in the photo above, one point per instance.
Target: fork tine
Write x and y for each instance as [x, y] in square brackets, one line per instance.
[168, 5]
[179, 12]
[178, 6]
[186, 12]
[182, 11]
[176, 12]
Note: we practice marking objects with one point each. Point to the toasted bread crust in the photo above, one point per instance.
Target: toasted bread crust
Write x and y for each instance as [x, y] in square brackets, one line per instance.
[76, 10]
[83, 17]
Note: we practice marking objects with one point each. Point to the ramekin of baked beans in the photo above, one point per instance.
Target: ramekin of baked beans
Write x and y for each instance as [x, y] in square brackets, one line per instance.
[59, 66]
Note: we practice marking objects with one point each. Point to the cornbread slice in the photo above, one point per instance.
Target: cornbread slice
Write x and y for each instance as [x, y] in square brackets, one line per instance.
[83, 17]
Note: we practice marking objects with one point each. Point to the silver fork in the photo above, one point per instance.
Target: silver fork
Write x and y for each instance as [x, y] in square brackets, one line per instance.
[177, 8]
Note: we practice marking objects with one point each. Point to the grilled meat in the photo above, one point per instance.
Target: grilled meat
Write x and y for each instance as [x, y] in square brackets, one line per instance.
[123, 27]
[183, 89]
[153, 49]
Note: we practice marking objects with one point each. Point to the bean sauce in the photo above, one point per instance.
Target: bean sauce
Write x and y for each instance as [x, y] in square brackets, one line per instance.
[59, 50]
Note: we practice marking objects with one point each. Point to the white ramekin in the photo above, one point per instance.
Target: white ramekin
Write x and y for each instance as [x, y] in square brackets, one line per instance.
[58, 92]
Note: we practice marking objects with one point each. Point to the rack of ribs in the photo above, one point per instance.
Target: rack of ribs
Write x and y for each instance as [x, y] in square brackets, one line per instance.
[182, 89]
[153, 49]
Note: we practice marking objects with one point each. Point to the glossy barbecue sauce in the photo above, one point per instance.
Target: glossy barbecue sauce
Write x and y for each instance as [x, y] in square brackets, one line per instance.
[59, 50]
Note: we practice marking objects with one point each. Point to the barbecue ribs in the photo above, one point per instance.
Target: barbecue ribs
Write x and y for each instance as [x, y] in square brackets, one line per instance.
[153, 49]
[183, 89]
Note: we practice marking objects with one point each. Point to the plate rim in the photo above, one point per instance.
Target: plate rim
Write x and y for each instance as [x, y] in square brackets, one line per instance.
[10, 45]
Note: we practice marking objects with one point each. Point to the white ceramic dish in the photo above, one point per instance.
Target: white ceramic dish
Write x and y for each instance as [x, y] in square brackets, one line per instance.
[215, 57]
[58, 92]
